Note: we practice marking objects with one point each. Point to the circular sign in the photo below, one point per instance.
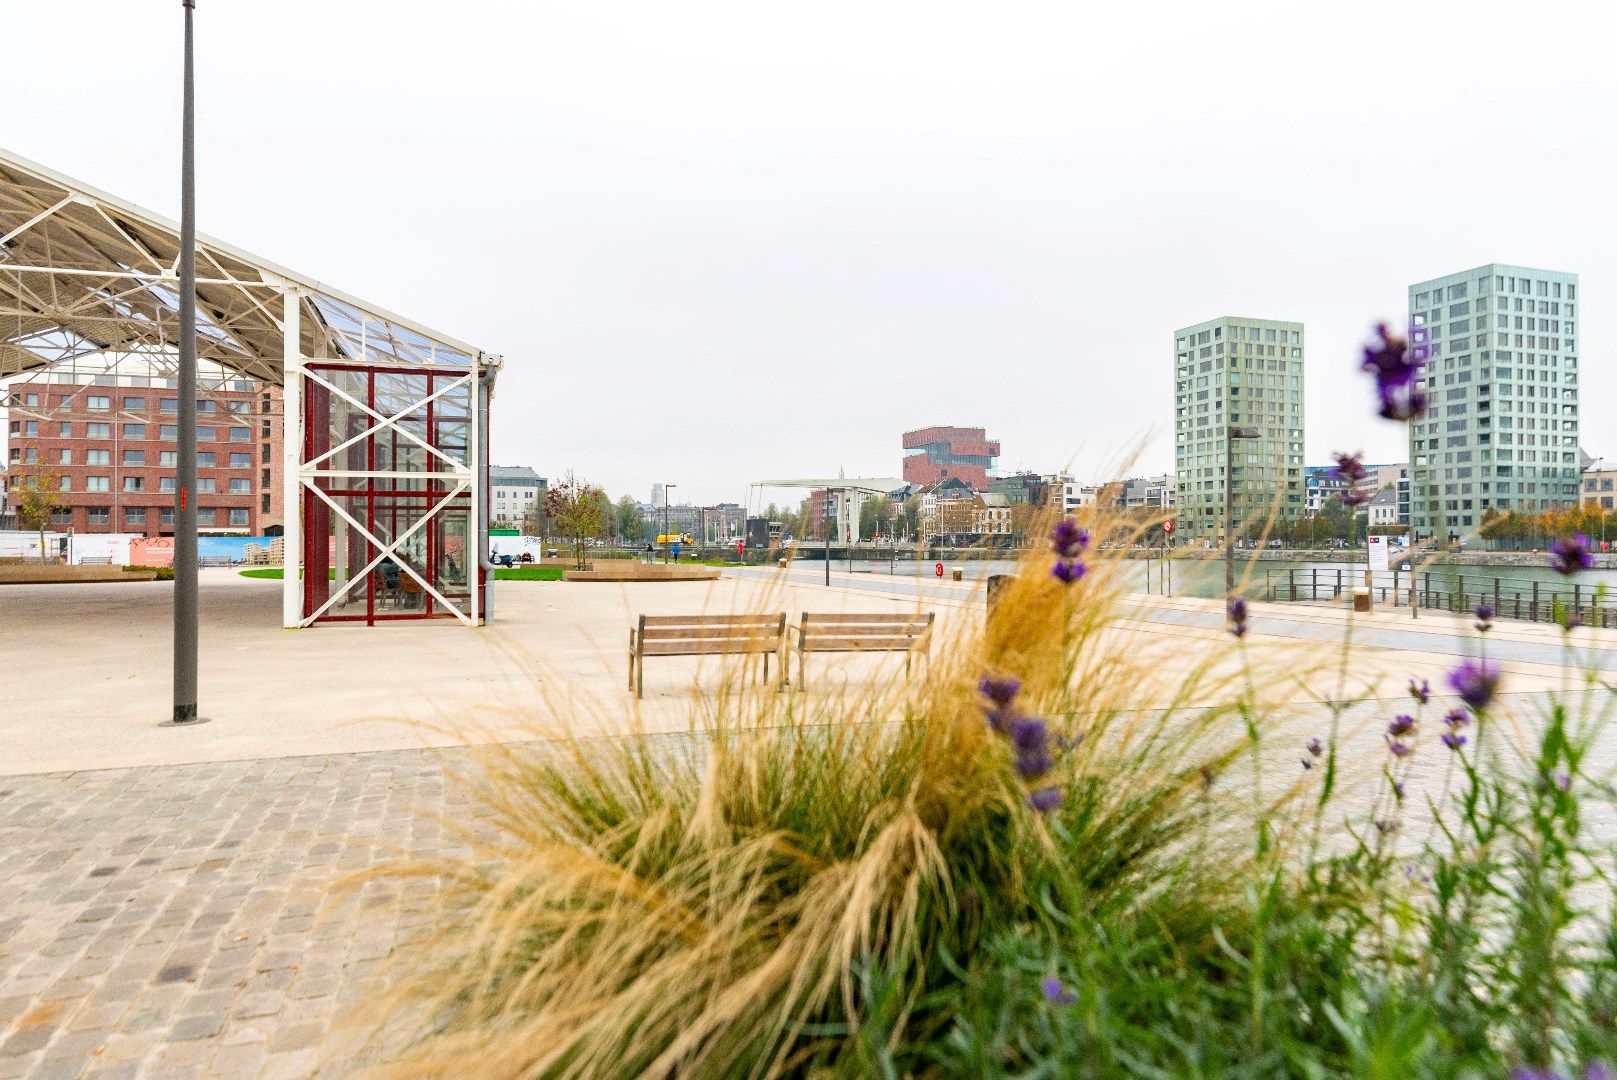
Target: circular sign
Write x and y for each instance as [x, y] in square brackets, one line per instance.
[938, 570]
[1167, 526]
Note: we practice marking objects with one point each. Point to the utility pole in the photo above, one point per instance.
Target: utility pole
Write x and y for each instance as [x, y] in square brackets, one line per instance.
[185, 503]
[667, 539]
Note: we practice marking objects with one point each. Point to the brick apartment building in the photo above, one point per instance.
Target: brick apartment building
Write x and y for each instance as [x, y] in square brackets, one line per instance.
[113, 437]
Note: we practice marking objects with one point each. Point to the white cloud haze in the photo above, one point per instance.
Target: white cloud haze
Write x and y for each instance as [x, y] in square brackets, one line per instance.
[723, 242]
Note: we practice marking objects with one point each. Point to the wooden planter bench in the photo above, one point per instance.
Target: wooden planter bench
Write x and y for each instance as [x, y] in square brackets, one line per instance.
[704, 635]
[863, 633]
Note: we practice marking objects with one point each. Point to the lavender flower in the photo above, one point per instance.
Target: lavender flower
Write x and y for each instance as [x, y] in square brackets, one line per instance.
[1397, 373]
[1055, 993]
[1527, 1072]
[1314, 747]
[1420, 691]
[999, 691]
[1402, 724]
[1235, 607]
[1044, 799]
[1476, 681]
[1484, 613]
[1031, 737]
[1399, 749]
[1453, 740]
[1398, 789]
[1561, 780]
[1570, 554]
[1350, 470]
[1597, 1070]
[1068, 571]
[1068, 541]
[1455, 719]
[1386, 825]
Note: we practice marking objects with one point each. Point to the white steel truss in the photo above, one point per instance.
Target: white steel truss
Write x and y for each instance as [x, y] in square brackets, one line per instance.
[87, 278]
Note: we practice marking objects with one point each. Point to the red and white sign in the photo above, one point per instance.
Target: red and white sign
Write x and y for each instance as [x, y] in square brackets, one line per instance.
[938, 570]
[1167, 526]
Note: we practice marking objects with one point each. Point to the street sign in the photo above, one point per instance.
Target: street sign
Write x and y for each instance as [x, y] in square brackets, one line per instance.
[1167, 526]
[1377, 552]
[938, 570]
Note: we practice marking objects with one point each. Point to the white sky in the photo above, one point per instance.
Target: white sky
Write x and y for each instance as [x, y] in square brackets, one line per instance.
[723, 242]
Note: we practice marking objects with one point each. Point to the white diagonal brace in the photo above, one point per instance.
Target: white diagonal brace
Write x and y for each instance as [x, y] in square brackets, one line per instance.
[356, 403]
[389, 422]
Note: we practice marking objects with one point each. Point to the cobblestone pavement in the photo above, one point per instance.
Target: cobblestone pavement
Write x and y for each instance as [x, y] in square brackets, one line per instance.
[178, 921]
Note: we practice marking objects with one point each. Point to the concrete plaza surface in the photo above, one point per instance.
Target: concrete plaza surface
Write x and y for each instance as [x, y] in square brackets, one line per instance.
[170, 903]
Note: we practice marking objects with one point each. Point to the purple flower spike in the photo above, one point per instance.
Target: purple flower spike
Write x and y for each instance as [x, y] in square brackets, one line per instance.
[1571, 554]
[1597, 1070]
[1484, 613]
[1235, 608]
[1420, 691]
[1350, 470]
[1561, 780]
[1456, 719]
[1402, 724]
[1045, 799]
[1398, 749]
[1314, 747]
[1068, 571]
[1000, 691]
[1397, 371]
[1068, 540]
[1055, 993]
[1527, 1072]
[1453, 740]
[1476, 681]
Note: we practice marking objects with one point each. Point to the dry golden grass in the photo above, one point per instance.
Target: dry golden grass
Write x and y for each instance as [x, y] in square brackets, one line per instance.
[707, 904]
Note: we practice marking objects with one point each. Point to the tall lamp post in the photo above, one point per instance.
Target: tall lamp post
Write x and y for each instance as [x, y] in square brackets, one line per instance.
[185, 504]
[666, 541]
[1234, 433]
[825, 529]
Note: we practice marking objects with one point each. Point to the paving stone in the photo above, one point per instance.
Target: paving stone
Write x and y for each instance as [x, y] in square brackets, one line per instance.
[180, 921]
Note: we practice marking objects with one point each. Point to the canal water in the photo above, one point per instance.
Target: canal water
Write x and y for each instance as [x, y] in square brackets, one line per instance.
[1205, 577]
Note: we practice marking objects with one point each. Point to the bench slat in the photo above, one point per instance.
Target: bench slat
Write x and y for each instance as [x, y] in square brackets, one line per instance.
[726, 633]
[708, 648]
[859, 644]
[862, 617]
[713, 620]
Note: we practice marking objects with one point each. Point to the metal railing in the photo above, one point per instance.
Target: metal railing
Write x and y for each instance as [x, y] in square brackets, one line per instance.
[1511, 598]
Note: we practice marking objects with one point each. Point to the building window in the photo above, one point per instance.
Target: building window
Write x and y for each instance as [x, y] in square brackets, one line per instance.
[61, 517]
[206, 434]
[135, 515]
[238, 516]
[65, 457]
[100, 515]
[241, 434]
[64, 483]
[205, 460]
[134, 483]
[204, 407]
[135, 404]
[170, 432]
[98, 431]
[264, 453]
[165, 515]
[134, 457]
[65, 430]
[207, 516]
[266, 479]
[169, 404]
[98, 403]
[98, 457]
[134, 431]
[241, 461]
[264, 504]
[207, 485]
[166, 485]
[168, 457]
[239, 486]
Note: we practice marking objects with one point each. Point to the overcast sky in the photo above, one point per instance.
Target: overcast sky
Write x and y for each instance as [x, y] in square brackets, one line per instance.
[718, 243]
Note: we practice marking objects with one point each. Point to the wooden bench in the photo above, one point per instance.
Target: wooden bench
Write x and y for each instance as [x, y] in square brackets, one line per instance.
[863, 633]
[704, 635]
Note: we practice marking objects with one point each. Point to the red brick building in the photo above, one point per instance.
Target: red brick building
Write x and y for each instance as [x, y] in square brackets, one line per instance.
[112, 438]
[942, 453]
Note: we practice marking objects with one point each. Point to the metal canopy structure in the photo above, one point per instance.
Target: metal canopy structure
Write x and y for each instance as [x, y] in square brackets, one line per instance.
[385, 444]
